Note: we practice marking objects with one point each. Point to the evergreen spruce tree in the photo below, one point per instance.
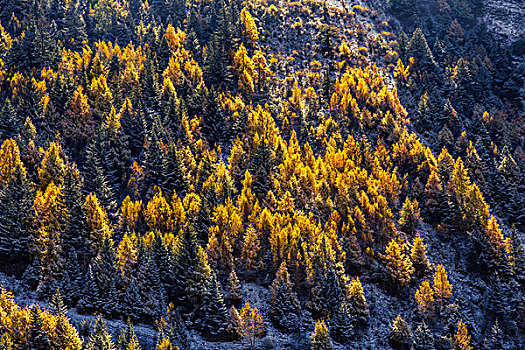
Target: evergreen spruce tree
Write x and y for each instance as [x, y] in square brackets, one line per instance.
[186, 260]
[72, 282]
[175, 177]
[105, 274]
[342, 324]
[75, 26]
[131, 302]
[495, 340]
[90, 296]
[16, 198]
[400, 334]
[127, 338]
[214, 123]
[233, 290]
[96, 179]
[100, 339]
[33, 274]
[518, 252]
[177, 332]
[423, 338]
[199, 282]
[154, 159]
[10, 123]
[76, 231]
[37, 338]
[152, 294]
[166, 263]
[261, 166]
[285, 307]
[215, 320]
[115, 149]
[57, 303]
[418, 48]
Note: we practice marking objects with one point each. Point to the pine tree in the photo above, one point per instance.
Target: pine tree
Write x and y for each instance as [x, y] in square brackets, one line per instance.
[152, 293]
[9, 120]
[191, 265]
[418, 255]
[435, 199]
[285, 307]
[96, 179]
[320, 337]
[215, 313]
[105, 273]
[100, 339]
[75, 27]
[175, 177]
[518, 252]
[342, 324]
[90, 295]
[400, 334]
[37, 338]
[233, 295]
[75, 233]
[177, 332]
[418, 48]
[33, 274]
[15, 204]
[131, 302]
[127, 340]
[423, 338]
[115, 149]
[154, 155]
[214, 123]
[357, 302]
[72, 282]
[57, 303]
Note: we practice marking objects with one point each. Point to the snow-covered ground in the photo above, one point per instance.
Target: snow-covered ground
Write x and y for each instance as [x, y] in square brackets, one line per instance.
[506, 17]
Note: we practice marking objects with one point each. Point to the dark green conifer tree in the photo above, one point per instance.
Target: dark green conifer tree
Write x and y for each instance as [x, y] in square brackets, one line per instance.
[174, 172]
[215, 319]
[100, 339]
[37, 338]
[16, 198]
[423, 338]
[285, 307]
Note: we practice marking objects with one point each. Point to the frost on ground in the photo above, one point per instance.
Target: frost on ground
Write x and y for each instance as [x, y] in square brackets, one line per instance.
[505, 18]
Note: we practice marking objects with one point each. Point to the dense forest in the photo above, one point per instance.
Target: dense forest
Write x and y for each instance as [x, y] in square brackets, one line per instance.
[260, 174]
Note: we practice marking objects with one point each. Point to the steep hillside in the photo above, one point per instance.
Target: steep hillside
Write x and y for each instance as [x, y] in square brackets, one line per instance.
[218, 174]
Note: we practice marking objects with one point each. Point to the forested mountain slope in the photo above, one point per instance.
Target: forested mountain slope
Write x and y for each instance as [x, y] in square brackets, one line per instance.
[262, 174]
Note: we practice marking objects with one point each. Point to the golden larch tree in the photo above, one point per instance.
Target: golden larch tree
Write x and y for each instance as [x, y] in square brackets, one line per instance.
[425, 298]
[442, 287]
[252, 325]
